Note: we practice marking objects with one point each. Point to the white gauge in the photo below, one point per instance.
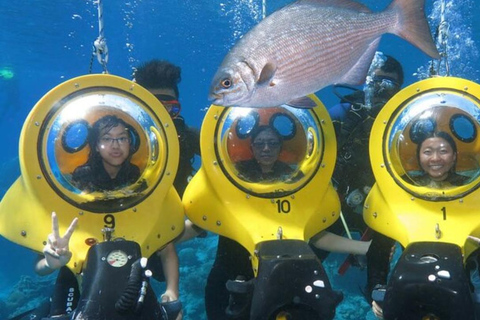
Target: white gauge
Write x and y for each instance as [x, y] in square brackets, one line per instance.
[117, 258]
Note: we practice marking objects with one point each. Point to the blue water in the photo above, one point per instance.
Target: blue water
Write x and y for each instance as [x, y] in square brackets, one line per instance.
[44, 43]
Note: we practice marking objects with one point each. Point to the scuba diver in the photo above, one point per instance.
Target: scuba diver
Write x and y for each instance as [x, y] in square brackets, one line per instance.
[161, 78]
[108, 166]
[353, 177]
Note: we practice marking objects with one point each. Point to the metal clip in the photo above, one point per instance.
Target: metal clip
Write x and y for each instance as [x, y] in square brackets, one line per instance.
[107, 233]
[279, 233]
[438, 232]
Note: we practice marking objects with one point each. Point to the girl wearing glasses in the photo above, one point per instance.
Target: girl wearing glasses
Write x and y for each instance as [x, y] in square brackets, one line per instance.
[108, 166]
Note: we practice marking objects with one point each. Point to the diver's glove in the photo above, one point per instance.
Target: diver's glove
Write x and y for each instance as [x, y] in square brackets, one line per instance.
[56, 251]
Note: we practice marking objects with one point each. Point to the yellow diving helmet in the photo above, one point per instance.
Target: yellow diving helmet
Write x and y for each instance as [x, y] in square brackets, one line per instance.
[226, 198]
[58, 139]
[406, 203]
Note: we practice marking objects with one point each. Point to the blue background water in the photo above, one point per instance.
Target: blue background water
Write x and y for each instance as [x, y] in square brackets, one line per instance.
[44, 43]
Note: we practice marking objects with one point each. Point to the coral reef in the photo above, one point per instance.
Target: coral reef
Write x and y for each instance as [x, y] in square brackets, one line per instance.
[27, 294]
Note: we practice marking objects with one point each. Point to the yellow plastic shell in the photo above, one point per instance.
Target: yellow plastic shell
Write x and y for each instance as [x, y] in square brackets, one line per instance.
[152, 221]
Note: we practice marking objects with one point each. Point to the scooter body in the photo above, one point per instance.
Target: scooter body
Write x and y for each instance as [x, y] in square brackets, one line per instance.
[271, 217]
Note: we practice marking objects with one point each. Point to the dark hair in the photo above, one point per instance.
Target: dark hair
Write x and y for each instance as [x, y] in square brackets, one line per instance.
[105, 124]
[158, 74]
[440, 134]
[257, 130]
[391, 65]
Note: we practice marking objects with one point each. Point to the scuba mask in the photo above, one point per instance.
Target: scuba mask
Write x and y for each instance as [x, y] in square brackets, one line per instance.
[384, 87]
[378, 90]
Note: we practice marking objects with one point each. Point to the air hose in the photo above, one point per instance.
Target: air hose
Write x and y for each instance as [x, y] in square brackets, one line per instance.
[134, 294]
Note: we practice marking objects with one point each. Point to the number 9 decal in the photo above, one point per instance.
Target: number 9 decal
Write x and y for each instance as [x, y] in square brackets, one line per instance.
[109, 221]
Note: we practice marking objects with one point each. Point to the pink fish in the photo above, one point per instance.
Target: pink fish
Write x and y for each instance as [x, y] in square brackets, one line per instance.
[311, 44]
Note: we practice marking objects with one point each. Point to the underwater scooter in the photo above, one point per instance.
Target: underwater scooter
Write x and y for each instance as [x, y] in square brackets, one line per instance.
[115, 285]
[116, 226]
[435, 220]
[271, 215]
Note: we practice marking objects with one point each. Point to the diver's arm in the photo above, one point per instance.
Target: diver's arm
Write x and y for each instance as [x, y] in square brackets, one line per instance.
[331, 242]
[169, 258]
[189, 232]
[41, 267]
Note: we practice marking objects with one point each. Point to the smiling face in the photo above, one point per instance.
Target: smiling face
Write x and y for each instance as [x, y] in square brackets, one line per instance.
[114, 148]
[437, 158]
[266, 147]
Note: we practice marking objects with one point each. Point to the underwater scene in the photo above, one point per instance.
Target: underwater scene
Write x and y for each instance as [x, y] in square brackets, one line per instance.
[45, 44]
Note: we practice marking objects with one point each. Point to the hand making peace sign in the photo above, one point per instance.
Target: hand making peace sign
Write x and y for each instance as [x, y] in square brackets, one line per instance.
[56, 250]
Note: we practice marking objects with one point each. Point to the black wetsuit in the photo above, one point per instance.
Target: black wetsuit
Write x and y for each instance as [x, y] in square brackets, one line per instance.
[189, 140]
[232, 259]
[95, 178]
[453, 180]
[64, 300]
[251, 171]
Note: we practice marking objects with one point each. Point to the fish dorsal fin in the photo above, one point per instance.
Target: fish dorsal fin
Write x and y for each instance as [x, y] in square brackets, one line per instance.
[358, 73]
[302, 102]
[267, 73]
[345, 4]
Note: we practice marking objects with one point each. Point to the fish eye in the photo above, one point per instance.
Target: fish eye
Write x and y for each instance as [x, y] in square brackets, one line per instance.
[226, 83]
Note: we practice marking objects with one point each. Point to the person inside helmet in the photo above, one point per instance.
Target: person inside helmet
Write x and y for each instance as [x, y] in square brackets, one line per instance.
[437, 156]
[108, 166]
[266, 144]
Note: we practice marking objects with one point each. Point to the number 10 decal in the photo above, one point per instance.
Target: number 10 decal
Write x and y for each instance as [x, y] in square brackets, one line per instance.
[283, 206]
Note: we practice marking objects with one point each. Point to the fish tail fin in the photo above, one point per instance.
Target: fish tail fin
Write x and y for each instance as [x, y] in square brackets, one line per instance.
[412, 25]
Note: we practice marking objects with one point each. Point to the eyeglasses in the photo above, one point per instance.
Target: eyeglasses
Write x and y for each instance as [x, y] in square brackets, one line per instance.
[269, 144]
[110, 141]
[170, 103]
